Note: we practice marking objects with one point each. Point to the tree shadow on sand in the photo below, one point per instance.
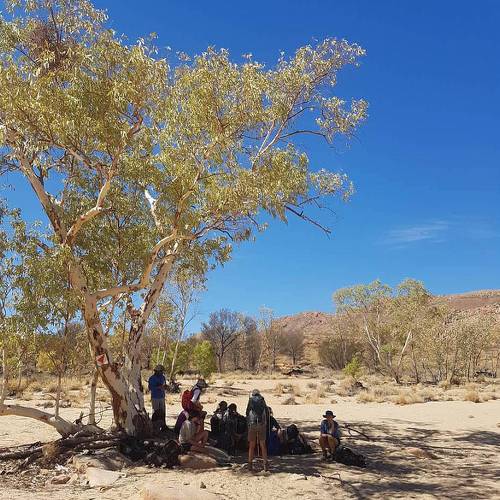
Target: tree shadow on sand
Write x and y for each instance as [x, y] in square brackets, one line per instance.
[463, 467]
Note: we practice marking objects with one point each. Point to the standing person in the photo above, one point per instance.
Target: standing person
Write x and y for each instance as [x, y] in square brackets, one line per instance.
[257, 416]
[329, 437]
[157, 384]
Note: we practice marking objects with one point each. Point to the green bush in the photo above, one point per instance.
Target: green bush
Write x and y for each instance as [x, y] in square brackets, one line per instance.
[204, 358]
[353, 368]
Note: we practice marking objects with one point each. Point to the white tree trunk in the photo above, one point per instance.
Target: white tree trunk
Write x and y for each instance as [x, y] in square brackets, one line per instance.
[62, 426]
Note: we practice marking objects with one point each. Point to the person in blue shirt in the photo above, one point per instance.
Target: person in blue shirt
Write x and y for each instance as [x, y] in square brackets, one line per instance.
[329, 437]
[157, 384]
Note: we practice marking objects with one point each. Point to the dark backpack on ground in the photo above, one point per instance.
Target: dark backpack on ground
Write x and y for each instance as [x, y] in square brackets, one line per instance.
[164, 456]
[292, 432]
[273, 444]
[257, 414]
[346, 456]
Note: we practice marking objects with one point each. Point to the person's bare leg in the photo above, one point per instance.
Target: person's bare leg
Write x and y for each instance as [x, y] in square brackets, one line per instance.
[204, 437]
[251, 453]
[332, 444]
[263, 449]
[323, 442]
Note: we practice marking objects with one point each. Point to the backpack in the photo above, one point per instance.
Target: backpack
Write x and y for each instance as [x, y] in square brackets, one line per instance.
[187, 395]
[257, 412]
[346, 456]
[292, 432]
[273, 444]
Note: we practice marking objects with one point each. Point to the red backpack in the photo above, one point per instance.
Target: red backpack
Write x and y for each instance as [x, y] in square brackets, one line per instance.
[187, 395]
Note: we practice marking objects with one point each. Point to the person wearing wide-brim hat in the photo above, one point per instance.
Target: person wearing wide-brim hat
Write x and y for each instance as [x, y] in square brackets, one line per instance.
[329, 437]
[157, 385]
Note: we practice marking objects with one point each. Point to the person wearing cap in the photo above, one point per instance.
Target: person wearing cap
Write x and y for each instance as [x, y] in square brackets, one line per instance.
[157, 384]
[329, 435]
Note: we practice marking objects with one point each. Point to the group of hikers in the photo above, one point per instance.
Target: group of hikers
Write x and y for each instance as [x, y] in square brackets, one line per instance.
[257, 430]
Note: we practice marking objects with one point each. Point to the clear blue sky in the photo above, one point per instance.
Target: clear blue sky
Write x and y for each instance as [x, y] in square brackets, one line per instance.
[426, 165]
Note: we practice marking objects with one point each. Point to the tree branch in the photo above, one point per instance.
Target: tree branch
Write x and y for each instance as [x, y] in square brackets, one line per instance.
[305, 217]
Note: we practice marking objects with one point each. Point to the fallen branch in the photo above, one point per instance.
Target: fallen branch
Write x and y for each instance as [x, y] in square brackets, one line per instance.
[350, 430]
[62, 426]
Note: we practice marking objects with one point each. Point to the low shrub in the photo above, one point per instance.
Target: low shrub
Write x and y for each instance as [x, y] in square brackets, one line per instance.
[472, 395]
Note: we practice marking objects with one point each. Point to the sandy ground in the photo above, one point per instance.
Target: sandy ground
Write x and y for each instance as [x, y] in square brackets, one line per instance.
[463, 436]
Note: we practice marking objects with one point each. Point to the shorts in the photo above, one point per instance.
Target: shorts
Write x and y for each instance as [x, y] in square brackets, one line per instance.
[257, 432]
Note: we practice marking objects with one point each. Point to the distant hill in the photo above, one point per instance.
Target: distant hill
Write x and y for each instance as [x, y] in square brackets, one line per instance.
[316, 325]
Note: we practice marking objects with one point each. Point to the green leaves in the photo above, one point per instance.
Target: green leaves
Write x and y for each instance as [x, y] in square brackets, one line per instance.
[213, 142]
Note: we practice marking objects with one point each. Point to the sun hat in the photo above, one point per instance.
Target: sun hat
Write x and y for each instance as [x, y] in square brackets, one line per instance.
[329, 413]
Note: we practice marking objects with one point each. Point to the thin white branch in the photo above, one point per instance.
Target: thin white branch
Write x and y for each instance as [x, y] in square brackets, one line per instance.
[90, 214]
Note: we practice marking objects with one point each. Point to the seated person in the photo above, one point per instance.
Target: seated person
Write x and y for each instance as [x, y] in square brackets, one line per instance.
[234, 428]
[216, 422]
[274, 435]
[329, 437]
[182, 417]
[293, 441]
[192, 435]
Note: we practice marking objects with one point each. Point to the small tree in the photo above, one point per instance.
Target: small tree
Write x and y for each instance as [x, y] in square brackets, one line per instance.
[270, 338]
[353, 368]
[59, 354]
[222, 330]
[204, 358]
[293, 345]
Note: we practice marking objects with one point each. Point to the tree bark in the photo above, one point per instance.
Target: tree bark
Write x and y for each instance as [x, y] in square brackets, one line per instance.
[3, 394]
[93, 391]
[58, 395]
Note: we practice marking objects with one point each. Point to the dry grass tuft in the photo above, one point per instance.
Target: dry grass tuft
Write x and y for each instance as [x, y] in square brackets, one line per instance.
[290, 401]
[279, 389]
[312, 385]
[407, 397]
[36, 386]
[52, 388]
[328, 385]
[366, 397]
[429, 394]
[347, 387]
[51, 451]
[472, 395]
[296, 390]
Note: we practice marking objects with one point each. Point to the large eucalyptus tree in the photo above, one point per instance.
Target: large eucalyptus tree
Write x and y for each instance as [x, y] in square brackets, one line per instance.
[139, 163]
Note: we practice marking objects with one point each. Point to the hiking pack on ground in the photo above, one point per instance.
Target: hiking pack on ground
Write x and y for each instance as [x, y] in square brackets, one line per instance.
[346, 456]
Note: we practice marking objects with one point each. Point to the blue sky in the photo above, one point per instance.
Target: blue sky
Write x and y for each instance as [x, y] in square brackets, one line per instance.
[426, 164]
